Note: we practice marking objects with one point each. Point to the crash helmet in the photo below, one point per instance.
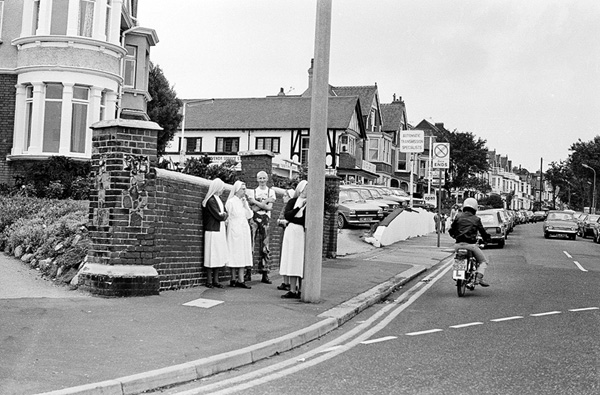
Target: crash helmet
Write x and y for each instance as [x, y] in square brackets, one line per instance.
[471, 203]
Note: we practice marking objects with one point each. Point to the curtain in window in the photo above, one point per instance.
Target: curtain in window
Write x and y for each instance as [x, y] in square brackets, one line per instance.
[78, 127]
[86, 17]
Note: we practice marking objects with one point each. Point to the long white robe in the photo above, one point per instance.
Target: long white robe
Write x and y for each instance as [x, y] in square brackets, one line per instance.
[239, 238]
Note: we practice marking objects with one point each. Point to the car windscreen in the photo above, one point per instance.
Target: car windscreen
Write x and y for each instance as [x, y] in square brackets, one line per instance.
[560, 217]
[349, 195]
[488, 219]
[365, 193]
[376, 194]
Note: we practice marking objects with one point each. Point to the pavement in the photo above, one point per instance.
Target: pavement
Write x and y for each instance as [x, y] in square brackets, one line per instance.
[59, 341]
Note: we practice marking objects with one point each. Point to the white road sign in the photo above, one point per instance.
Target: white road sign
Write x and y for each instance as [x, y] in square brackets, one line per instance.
[412, 141]
[441, 155]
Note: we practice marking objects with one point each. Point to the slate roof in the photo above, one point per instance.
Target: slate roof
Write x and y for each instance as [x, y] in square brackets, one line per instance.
[275, 113]
[391, 115]
[364, 93]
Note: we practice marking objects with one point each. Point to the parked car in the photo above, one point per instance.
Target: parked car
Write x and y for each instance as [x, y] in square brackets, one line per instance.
[560, 223]
[580, 219]
[539, 216]
[372, 194]
[494, 225]
[354, 210]
[588, 225]
[596, 231]
[385, 208]
[389, 195]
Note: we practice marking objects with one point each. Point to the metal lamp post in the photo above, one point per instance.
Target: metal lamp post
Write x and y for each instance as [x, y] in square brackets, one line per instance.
[183, 144]
[594, 188]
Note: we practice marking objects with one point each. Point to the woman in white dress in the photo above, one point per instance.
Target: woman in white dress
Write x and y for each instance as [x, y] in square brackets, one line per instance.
[292, 246]
[239, 238]
[216, 253]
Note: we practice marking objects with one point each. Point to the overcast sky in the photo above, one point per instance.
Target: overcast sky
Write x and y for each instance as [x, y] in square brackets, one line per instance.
[524, 75]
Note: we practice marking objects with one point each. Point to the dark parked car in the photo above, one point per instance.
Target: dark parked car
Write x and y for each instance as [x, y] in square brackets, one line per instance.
[560, 223]
[588, 225]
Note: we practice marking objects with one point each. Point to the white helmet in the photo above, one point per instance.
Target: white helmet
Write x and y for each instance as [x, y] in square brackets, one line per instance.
[471, 202]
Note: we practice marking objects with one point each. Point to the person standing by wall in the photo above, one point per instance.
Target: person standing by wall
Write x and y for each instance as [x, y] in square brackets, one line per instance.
[292, 247]
[261, 201]
[282, 222]
[216, 252]
[238, 234]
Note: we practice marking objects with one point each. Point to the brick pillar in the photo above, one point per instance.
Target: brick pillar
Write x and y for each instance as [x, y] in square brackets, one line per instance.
[7, 124]
[252, 163]
[330, 229]
[121, 258]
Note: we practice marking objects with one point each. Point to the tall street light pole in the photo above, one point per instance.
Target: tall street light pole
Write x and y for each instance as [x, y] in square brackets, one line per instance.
[183, 145]
[594, 188]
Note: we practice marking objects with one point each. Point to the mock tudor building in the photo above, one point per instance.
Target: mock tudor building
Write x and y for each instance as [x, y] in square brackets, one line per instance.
[221, 128]
[64, 65]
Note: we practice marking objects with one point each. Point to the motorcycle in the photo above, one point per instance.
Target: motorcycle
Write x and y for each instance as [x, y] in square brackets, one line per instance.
[464, 268]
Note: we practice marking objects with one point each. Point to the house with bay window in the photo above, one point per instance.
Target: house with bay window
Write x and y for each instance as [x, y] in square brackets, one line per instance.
[64, 65]
[220, 128]
[394, 121]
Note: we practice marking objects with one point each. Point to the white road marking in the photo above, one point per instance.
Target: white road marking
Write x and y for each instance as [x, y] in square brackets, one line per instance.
[547, 313]
[423, 332]
[585, 309]
[466, 325]
[381, 339]
[567, 254]
[516, 317]
[330, 349]
[579, 266]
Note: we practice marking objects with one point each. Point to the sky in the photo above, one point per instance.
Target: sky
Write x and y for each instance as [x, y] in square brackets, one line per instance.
[523, 75]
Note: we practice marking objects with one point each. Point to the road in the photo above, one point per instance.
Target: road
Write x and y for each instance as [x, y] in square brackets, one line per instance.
[535, 330]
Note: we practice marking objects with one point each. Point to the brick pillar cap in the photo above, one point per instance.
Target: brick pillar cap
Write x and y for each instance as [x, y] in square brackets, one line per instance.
[126, 123]
[257, 153]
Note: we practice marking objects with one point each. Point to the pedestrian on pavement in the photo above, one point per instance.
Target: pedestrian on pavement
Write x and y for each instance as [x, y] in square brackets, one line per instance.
[453, 213]
[292, 248]
[436, 220]
[464, 230]
[261, 202]
[283, 223]
[239, 237]
[443, 222]
[214, 214]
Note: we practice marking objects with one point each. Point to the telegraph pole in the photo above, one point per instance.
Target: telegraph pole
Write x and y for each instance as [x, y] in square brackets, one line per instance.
[313, 249]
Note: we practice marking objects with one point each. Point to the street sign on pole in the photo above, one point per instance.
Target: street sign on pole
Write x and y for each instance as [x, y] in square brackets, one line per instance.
[412, 141]
[441, 155]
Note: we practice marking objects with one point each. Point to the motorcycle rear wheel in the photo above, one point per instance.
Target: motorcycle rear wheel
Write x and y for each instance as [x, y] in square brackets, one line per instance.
[461, 287]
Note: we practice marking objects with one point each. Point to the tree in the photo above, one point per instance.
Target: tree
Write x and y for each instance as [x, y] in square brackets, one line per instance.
[584, 153]
[558, 175]
[493, 201]
[164, 107]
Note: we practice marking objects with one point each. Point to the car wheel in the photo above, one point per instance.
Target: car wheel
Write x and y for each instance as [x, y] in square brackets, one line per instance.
[501, 243]
[573, 237]
[546, 235]
[341, 221]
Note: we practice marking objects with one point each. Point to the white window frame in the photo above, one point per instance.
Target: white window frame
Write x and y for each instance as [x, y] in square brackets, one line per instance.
[374, 149]
[85, 105]
[348, 142]
[1, 17]
[86, 30]
[58, 119]
[130, 60]
[406, 160]
[304, 144]
[28, 116]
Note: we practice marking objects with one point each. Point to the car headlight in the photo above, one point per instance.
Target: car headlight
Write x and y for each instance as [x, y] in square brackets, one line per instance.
[380, 211]
[352, 212]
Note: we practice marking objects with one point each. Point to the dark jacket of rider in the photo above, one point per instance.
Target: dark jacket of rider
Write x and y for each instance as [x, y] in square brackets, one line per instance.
[465, 226]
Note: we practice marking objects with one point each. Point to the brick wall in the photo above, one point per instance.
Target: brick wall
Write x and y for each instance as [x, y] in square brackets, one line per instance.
[7, 121]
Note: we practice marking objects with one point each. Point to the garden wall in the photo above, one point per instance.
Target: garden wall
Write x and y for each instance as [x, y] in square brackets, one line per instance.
[146, 223]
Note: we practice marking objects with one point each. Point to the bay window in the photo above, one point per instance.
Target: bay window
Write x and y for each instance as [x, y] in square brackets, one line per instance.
[130, 65]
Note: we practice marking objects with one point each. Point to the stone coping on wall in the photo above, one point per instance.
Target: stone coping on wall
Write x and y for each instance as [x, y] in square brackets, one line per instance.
[118, 270]
[127, 123]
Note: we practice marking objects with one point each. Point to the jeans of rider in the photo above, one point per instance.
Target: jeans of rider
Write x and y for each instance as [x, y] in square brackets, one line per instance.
[259, 225]
[479, 255]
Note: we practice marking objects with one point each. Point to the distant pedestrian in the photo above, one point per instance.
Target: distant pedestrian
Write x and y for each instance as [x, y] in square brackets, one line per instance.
[214, 214]
[443, 222]
[261, 201]
[292, 249]
[239, 237]
[436, 220]
[453, 213]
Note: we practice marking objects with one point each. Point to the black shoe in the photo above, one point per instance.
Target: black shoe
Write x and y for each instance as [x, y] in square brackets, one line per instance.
[291, 295]
[209, 285]
[248, 276]
[242, 285]
[284, 287]
[265, 279]
[232, 283]
[479, 280]
[217, 285]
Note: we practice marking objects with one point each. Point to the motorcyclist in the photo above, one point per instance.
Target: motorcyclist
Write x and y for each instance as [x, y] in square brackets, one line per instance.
[464, 230]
